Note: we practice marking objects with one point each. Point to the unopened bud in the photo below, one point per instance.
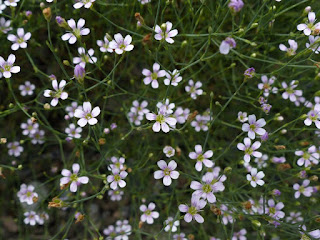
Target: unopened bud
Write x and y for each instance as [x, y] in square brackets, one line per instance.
[46, 106]
[79, 73]
[47, 13]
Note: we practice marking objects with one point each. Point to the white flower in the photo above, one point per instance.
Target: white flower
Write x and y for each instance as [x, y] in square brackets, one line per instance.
[31, 218]
[202, 158]
[27, 88]
[77, 30]
[83, 3]
[313, 116]
[104, 45]
[73, 131]
[310, 27]
[193, 89]
[162, 121]
[57, 92]
[14, 149]
[19, 41]
[4, 25]
[165, 32]
[266, 85]
[249, 150]
[144, 1]
[29, 128]
[6, 67]
[226, 45]
[152, 77]
[168, 151]
[120, 44]
[255, 177]
[314, 44]
[167, 172]
[116, 178]
[242, 117]
[304, 189]
[254, 127]
[148, 214]
[87, 115]
[292, 49]
[27, 193]
[85, 58]
[73, 177]
[11, 3]
[308, 157]
[166, 106]
[172, 78]
[171, 225]
[192, 212]
[290, 92]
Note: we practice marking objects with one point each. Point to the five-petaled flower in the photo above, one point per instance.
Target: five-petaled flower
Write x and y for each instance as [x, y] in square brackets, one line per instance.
[87, 114]
[77, 30]
[57, 92]
[167, 172]
[72, 178]
[165, 32]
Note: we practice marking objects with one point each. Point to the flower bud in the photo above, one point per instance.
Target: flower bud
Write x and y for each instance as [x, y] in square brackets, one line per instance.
[62, 22]
[47, 13]
[79, 73]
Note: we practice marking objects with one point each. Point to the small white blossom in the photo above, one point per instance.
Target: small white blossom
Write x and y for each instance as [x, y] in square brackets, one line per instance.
[87, 114]
[193, 89]
[27, 88]
[148, 214]
[83, 3]
[120, 44]
[167, 172]
[73, 178]
[77, 30]
[165, 32]
[57, 92]
[19, 41]
[6, 67]
[255, 177]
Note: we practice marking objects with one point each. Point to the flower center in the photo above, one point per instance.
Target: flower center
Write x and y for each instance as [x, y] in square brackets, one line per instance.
[154, 76]
[28, 194]
[272, 210]
[148, 212]
[88, 116]
[248, 151]
[253, 127]
[192, 210]
[200, 158]
[206, 188]
[160, 118]
[117, 178]
[306, 155]
[74, 177]
[166, 171]
[76, 33]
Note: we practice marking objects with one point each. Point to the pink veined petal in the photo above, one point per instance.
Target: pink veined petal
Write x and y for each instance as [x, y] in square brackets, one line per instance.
[143, 208]
[84, 31]
[261, 122]
[122, 183]
[72, 23]
[307, 122]
[27, 36]
[183, 208]
[174, 174]
[208, 154]
[173, 33]
[72, 39]
[82, 122]
[75, 168]
[156, 127]
[245, 127]
[66, 173]
[241, 146]
[253, 184]
[257, 154]
[155, 214]
[92, 121]
[54, 102]
[118, 38]
[247, 142]
[73, 187]
[158, 174]
[199, 218]
[162, 164]
[154, 84]
[198, 166]
[195, 185]
[78, 5]
[211, 197]
[188, 217]
[165, 127]
[246, 158]
[95, 112]
[127, 40]
[64, 180]
[151, 206]
[172, 165]
[167, 180]
[62, 84]
[87, 107]
[11, 59]
[129, 48]
[256, 145]
[208, 163]
[151, 116]
[171, 121]
[12, 38]
[156, 67]
[260, 175]
[302, 26]
[198, 149]
[83, 180]
[15, 69]
[251, 134]
[146, 72]
[66, 36]
[64, 95]
[224, 48]
[311, 17]
[307, 31]
[80, 23]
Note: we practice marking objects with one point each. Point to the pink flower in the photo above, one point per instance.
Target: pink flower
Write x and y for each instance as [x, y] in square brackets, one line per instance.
[120, 44]
[201, 157]
[304, 189]
[254, 127]
[78, 30]
[292, 49]
[192, 211]
[162, 121]
[249, 150]
[310, 27]
[87, 115]
[19, 41]
[57, 92]
[73, 178]
[165, 32]
[167, 172]
[152, 77]
[116, 179]
[6, 67]
[255, 177]
[148, 214]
